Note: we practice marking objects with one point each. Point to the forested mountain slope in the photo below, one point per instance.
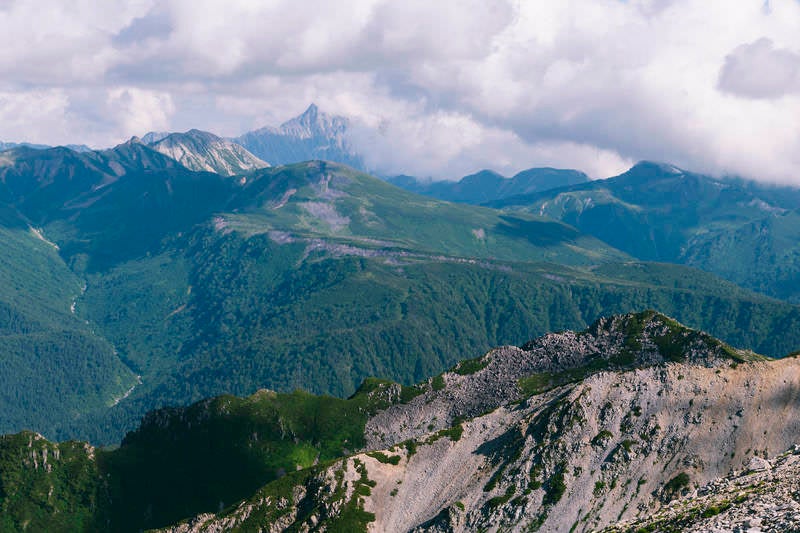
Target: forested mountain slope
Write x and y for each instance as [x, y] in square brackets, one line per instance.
[314, 276]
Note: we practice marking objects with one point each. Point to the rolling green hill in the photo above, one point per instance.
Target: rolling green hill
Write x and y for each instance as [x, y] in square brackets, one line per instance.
[331, 201]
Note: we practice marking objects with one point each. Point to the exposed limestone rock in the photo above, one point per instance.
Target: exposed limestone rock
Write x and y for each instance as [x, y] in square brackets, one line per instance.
[757, 464]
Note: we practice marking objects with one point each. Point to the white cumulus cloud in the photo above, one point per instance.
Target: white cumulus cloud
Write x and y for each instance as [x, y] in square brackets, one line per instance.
[436, 88]
[759, 70]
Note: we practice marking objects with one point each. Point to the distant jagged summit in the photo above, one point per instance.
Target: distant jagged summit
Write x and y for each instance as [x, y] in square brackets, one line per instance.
[314, 122]
[204, 151]
[311, 135]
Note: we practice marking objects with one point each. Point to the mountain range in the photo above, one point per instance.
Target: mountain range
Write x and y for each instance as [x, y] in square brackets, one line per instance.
[571, 431]
[312, 135]
[75, 147]
[170, 292]
[742, 231]
[313, 275]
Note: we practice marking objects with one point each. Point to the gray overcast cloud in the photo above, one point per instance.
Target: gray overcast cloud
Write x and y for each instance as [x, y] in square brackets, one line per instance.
[437, 89]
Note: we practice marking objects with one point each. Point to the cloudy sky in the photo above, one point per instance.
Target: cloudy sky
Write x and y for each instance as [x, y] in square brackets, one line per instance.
[435, 88]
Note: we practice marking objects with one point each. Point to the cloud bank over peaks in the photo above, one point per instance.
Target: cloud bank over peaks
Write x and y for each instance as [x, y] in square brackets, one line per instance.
[433, 88]
[449, 145]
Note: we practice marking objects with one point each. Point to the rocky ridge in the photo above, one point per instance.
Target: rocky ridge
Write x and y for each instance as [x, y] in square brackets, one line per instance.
[578, 431]
[202, 151]
[505, 374]
[579, 457]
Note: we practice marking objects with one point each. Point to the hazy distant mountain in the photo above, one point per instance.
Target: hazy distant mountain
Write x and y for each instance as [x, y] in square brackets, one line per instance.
[312, 135]
[202, 151]
[743, 231]
[9, 145]
[487, 185]
[75, 147]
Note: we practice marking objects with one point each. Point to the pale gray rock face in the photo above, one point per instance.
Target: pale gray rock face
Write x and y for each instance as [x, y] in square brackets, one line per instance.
[612, 442]
[154, 136]
[203, 151]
